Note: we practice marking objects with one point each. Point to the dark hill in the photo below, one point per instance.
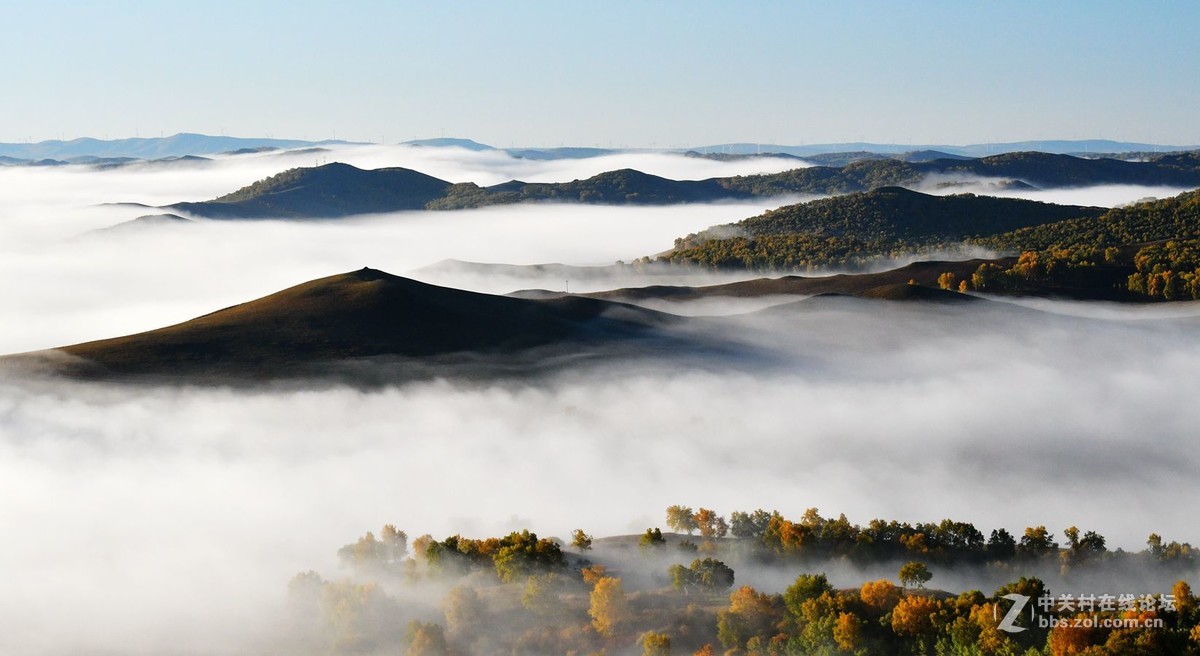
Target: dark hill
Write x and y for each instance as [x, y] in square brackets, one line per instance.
[628, 186]
[620, 187]
[1049, 170]
[899, 212]
[327, 191]
[928, 156]
[363, 314]
[142, 223]
[448, 142]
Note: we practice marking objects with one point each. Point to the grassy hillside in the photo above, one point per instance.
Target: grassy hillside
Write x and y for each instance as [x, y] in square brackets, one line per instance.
[361, 314]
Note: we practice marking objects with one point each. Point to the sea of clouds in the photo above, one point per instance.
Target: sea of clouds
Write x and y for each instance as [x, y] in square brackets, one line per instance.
[158, 520]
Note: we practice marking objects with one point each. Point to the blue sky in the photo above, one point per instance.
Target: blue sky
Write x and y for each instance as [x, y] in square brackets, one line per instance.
[604, 73]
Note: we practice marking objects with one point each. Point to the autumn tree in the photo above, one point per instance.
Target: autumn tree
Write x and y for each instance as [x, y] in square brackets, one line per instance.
[593, 573]
[540, 595]
[1185, 602]
[681, 519]
[420, 546]
[369, 556]
[581, 540]
[914, 615]
[847, 632]
[711, 524]
[609, 608]
[462, 608]
[948, 281]
[395, 543]
[1036, 542]
[426, 640]
[656, 644]
[359, 615]
[806, 587]
[914, 574]
[881, 596]
[1082, 548]
[651, 539]
[751, 615]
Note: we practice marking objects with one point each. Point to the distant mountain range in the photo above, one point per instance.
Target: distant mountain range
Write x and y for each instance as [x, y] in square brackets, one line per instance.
[338, 190]
[1062, 147]
[199, 144]
[177, 145]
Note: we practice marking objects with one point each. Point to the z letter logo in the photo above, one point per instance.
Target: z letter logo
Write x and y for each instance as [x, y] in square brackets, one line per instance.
[1014, 612]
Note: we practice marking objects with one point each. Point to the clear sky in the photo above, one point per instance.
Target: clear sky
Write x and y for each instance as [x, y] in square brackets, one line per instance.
[604, 73]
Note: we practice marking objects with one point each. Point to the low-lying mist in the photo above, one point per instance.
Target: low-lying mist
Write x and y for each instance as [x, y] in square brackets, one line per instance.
[173, 517]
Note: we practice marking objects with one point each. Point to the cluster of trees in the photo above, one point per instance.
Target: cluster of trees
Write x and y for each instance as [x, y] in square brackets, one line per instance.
[1168, 271]
[878, 618]
[707, 573]
[522, 594]
[707, 521]
[511, 557]
[1083, 272]
[815, 538]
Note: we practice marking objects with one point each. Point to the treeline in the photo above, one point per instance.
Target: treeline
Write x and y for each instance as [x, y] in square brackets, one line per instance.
[1168, 271]
[770, 535]
[654, 595]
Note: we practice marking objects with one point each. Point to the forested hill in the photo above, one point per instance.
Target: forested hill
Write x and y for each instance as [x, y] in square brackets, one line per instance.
[325, 191]
[849, 229]
[1169, 218]
[1144, 252]
[336, 190]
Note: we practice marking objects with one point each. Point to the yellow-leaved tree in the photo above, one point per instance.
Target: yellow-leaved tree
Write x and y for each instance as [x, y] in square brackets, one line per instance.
[609, 607]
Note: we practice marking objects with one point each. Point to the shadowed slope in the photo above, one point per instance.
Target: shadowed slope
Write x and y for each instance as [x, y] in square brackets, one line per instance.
[359, 315]
[925, 274]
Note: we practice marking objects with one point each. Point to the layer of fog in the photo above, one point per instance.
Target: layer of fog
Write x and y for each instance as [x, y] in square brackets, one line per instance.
[1109, 195]
[147, 520]
[174, 517]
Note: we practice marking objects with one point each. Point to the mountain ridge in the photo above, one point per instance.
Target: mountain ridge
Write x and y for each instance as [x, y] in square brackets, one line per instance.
[337, 189]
